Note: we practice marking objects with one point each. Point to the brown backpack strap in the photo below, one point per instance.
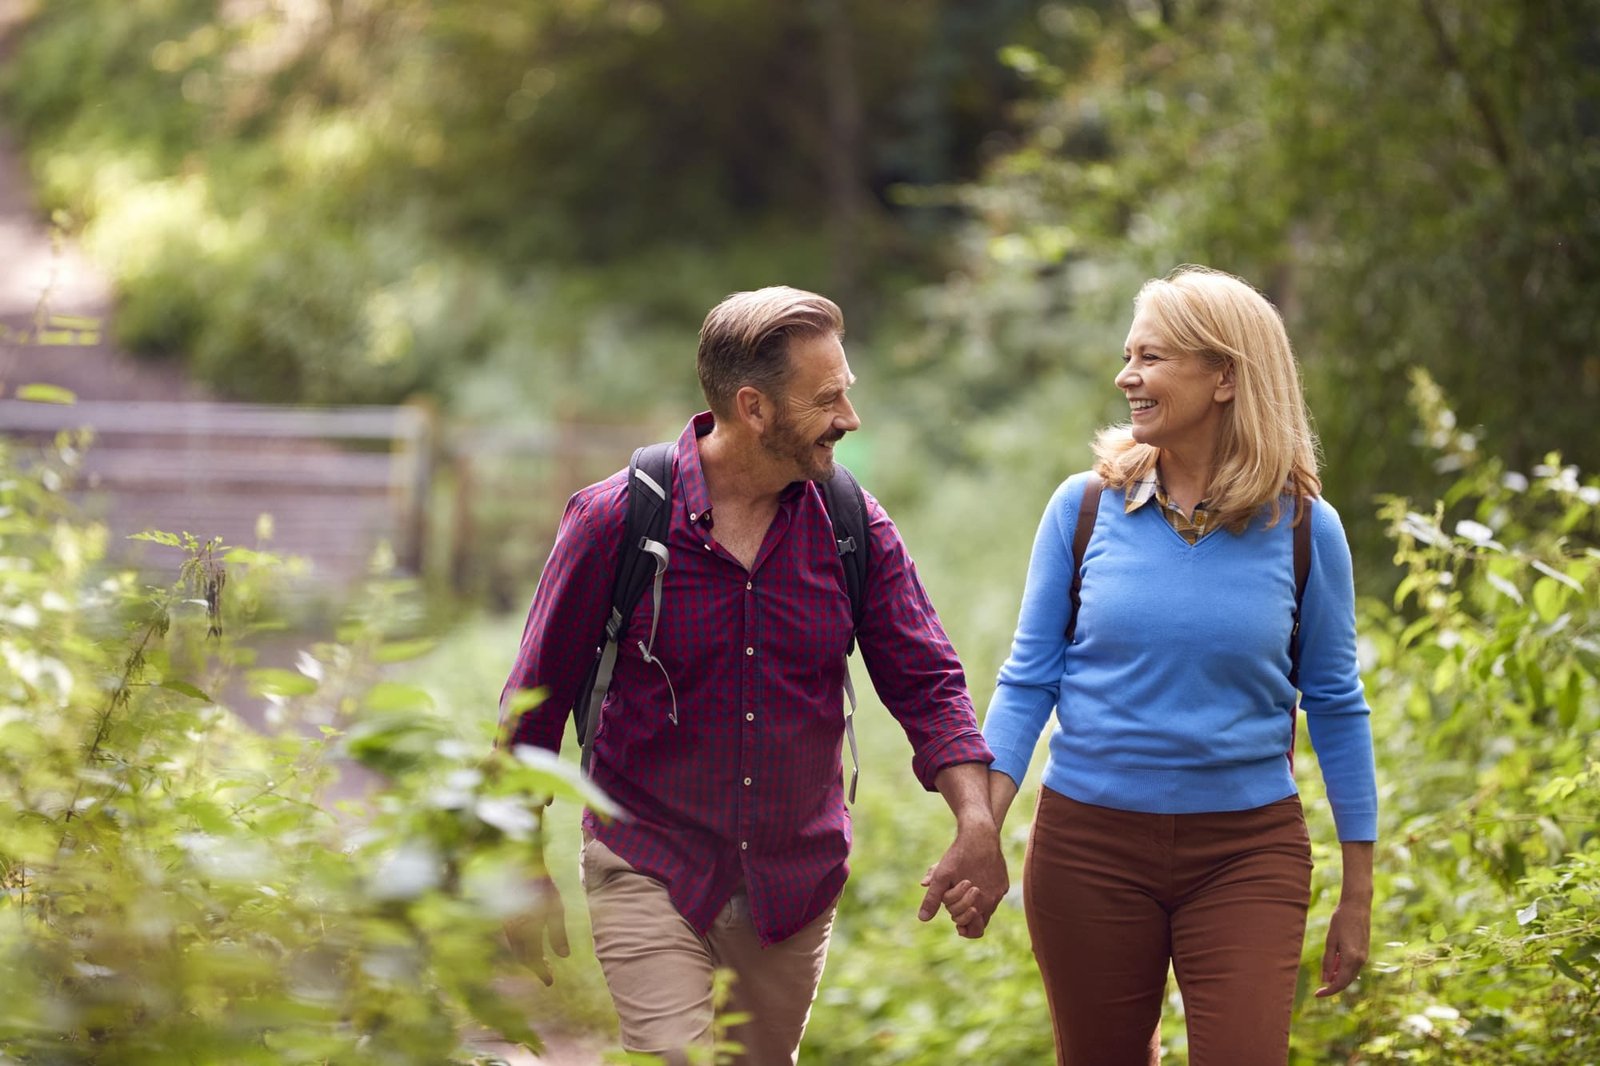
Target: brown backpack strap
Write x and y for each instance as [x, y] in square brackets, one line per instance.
[1088, 510]
[1302, 570]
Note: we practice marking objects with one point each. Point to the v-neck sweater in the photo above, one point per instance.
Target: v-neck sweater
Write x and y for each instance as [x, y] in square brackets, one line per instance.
[1174, 697]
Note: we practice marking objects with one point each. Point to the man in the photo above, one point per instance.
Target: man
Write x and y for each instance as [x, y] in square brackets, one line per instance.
[722, 743]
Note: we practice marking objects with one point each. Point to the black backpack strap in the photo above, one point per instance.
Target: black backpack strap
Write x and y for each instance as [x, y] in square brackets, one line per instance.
[1088, 511]
[643, 559]
[847, 510]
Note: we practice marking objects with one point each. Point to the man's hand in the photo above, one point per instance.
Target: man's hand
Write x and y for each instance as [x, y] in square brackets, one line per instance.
[970, 880]
[526, 933]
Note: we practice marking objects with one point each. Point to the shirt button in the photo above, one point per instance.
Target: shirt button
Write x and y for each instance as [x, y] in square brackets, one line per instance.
[748, 585]
[693, 517]
[749, 716]
[749, 651]
[747, 780]
[744, 845]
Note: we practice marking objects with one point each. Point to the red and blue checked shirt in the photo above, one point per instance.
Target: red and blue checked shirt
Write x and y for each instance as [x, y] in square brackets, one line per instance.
[748, 784]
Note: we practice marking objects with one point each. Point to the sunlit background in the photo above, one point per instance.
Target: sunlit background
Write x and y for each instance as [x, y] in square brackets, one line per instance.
[376, 284]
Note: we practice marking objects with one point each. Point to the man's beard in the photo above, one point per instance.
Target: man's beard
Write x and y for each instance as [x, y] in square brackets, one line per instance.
[782, 441]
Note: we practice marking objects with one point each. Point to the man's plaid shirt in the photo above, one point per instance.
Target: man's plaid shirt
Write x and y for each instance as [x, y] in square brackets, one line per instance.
[747, 785]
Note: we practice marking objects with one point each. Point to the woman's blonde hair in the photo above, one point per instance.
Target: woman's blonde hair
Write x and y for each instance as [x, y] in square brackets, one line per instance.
[1266, 449]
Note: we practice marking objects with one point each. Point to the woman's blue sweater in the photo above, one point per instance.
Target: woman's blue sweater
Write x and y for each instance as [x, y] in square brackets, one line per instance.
[1174, 696]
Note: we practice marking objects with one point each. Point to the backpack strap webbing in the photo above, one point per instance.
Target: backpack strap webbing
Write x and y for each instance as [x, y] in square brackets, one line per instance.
[1082, 530]
[847, 511]
[643, 560]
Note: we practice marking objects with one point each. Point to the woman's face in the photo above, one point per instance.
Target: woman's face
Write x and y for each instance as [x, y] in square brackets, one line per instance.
[1176, 401]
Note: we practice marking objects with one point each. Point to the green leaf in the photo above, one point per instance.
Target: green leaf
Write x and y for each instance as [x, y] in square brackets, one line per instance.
[269, 681]
[1549, 598]
[156, 536]
[41, 393]
[401, 650]
[393, 696]
[525, 699]
[1569, 701]
[186, 689]
[1571, 971]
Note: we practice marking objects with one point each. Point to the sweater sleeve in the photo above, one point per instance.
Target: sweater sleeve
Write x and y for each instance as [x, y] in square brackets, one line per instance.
[1029, 685]
[1337, 716]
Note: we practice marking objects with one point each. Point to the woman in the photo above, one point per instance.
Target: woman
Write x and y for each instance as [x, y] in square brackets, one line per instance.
[1168, 827]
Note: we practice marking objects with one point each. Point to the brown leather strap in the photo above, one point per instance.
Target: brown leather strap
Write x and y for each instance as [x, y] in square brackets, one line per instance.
[1088, 510]
[1302, 570]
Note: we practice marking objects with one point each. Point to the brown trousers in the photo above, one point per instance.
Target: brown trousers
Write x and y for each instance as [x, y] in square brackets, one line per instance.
[1113, 896]
[659, 970]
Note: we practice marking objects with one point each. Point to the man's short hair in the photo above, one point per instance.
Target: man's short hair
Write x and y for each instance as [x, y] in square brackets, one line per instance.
[745, 340]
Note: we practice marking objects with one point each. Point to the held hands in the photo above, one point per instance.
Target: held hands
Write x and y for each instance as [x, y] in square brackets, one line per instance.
[970, 881]
[527, 932]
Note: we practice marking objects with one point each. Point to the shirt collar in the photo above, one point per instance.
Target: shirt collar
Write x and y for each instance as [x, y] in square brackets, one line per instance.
[1149, 487]
[691, 489]
[692, 476]
[1138, 493]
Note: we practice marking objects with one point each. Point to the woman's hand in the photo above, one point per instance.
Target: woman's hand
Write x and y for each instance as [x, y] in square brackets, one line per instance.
[1350, 929]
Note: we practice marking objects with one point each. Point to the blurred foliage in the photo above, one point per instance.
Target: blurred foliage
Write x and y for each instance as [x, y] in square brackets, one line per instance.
[180, 885]
[354, 199]
[1413, 184]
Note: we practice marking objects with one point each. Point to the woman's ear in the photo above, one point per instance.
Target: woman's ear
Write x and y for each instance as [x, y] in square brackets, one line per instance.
[1225, 387]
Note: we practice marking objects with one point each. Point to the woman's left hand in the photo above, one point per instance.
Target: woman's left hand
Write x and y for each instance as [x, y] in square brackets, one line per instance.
[1350, 928]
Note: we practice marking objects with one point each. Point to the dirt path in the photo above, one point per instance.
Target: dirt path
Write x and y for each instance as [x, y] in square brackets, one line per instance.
[42, 275]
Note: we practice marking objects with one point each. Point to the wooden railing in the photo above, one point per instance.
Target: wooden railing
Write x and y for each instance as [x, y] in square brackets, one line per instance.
[335, 481]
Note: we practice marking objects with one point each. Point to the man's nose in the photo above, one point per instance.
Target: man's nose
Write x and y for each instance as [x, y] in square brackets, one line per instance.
[847, 420]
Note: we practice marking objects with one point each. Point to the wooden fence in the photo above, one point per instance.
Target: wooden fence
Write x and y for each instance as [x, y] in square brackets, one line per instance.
[335, 481]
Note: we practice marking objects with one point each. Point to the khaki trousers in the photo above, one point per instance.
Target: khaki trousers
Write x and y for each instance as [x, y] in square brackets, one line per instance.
[1112, 897]
[659, 970]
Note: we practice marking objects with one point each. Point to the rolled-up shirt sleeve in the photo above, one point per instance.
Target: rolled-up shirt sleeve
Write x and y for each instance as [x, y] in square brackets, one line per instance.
[912, 663]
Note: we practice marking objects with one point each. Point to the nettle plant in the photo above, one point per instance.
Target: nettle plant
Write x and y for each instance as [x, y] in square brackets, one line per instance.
[1484, 676]
[178, 886]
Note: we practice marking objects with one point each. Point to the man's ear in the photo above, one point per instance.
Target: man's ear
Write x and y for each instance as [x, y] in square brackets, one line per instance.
[752, 408]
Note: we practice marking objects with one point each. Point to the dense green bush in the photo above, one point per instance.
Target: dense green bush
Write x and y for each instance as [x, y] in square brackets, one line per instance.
[181, 887]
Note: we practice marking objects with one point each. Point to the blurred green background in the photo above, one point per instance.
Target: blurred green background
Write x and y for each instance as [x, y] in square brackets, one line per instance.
[519, 212]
